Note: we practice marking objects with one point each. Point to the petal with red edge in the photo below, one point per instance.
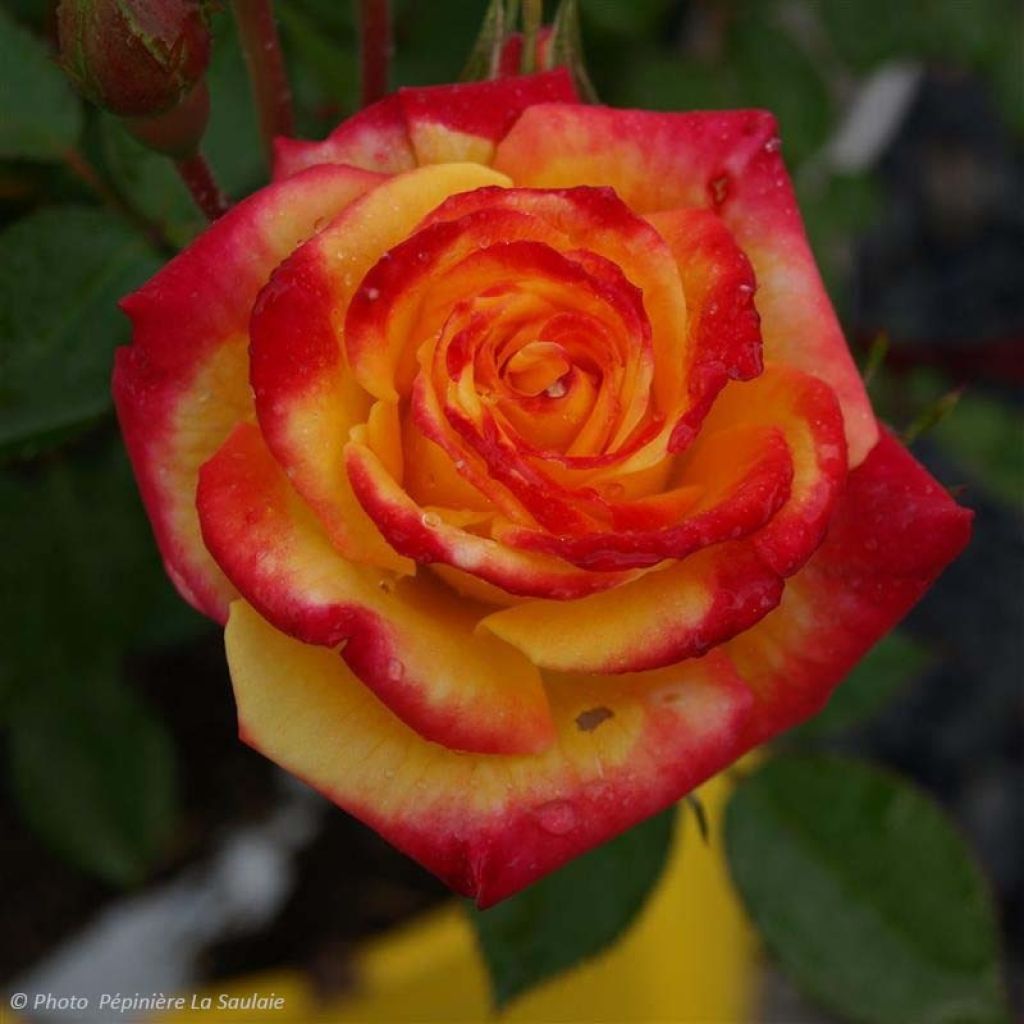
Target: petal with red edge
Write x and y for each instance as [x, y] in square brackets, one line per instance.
[488, 826]
[182, 384]
[306, 399]
[729, 162]
[411, 642]
[805, 410]
[426, 537]
[894, 530]
[452, 123]
[375, 139]
[665, 616]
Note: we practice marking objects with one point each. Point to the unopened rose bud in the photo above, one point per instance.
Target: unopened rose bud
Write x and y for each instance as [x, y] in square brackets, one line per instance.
[177, 132]
[135, 58]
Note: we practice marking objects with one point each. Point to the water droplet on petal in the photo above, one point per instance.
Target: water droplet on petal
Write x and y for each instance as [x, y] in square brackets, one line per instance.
[557, 817]
[669, 696]
[556, 389]
[373, 294]
[395, 670]
[773, 145]
[431, 520]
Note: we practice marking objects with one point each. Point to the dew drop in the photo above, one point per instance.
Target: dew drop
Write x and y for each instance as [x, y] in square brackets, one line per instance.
[395, 670]
[557, 817]
[669, 696]
[372, 294]
[431, 520]
[556, 389]
[773, 145]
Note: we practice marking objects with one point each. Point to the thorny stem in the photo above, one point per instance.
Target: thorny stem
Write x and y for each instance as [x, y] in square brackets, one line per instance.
[198, 178]
[267, 76]
[374, 48]
[81, 168]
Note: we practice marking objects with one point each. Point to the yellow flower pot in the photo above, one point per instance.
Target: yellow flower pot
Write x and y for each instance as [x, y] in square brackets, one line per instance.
[689, 958]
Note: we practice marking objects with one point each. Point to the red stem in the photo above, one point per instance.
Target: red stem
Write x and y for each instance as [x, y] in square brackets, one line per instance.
[198, 178]
[374, 49]
[267, 75]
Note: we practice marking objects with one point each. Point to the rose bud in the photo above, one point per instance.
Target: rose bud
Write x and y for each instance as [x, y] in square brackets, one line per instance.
[135, 58]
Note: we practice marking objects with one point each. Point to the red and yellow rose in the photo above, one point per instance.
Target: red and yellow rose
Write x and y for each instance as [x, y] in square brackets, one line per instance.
[517, 444]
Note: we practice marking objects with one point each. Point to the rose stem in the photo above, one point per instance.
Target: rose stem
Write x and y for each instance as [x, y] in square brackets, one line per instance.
[532, 15]
[198, 178]
[267, 76]
[82, 169]
[374, 49]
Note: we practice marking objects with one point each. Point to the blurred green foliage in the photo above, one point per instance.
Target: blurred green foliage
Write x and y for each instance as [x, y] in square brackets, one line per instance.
[893, 922]
[86, 214]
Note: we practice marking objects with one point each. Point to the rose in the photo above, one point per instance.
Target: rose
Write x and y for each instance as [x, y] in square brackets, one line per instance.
[524, 514]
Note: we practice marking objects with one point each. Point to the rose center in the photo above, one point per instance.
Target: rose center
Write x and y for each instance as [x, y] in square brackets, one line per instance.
[538, 367]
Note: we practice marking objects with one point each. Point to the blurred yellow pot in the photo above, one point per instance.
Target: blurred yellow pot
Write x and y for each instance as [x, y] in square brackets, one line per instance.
[689, 958]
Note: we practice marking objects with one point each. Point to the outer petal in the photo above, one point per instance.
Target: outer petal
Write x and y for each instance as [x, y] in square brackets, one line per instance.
[375, 139]
[894, 530]
[487, 825]
[411, 642]
[183, 383]
[451, 123]
[432, 125]
[731, 163]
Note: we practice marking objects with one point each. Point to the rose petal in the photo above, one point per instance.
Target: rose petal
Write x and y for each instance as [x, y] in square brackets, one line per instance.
[894, 530]
[729, 162]
[426, 537]
[431, 125]
[181, 385]
[375, 139]
[451, 123]
[411, 641]
[487, 825]
[306, 398]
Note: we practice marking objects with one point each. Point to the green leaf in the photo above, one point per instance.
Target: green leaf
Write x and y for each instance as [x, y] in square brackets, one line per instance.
[931, 416]
[93, 772]
[985, 435]
[484, 58]
[41, 117]
[574, 913]
[62, 271]
[232, 141]
[80, 579]
[891, 665]
[329, 56]
[150, 182]
[775, 73]
[866, 894]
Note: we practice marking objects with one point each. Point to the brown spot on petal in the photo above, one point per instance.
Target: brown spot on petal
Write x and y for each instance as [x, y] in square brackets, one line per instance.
[589, 720]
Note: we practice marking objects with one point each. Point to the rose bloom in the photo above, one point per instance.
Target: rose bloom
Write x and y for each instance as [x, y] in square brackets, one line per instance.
[517, 444]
